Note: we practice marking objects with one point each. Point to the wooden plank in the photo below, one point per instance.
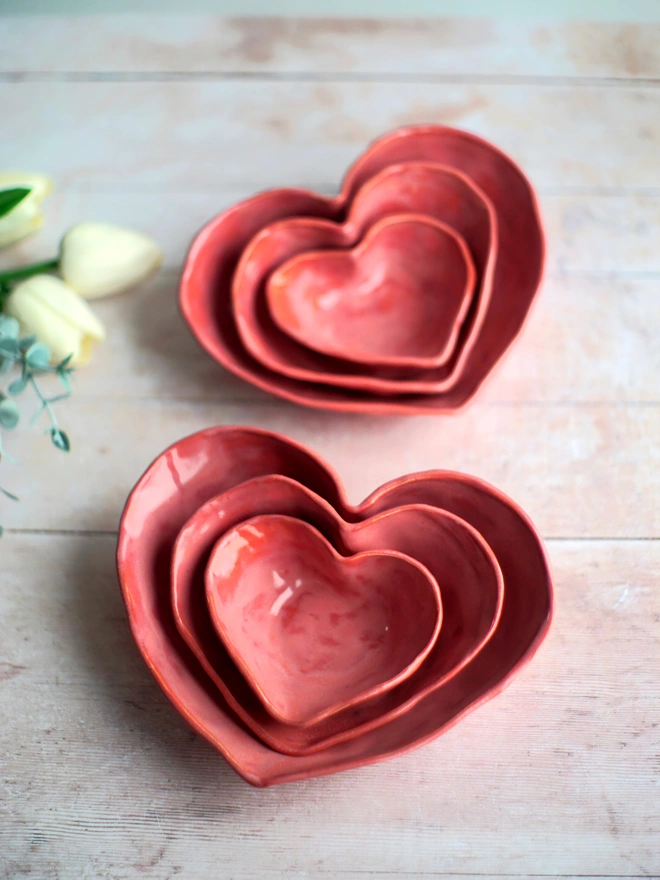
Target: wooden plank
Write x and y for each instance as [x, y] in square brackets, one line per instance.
[558, 775]
[445, 47]
[199, 136]
[579, 471]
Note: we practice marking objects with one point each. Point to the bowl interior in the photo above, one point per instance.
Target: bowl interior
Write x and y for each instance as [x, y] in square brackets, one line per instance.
[312, 631]
[398, 298]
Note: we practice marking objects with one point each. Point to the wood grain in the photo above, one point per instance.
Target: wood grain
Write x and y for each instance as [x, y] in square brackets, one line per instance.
[575, 737]
[197, 136]
[202, 44]
[579, 471]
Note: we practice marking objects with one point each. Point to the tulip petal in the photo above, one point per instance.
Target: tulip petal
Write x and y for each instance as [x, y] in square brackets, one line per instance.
[26, 216]
[98, 259]
[61, 320]
[40, 185]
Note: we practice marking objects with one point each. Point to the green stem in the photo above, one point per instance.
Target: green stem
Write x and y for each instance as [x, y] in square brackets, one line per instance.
[45, 404]
[28, 271]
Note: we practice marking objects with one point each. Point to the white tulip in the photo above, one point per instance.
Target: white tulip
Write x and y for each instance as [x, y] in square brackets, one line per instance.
[97, 259]
[48, 309]
[26, 217]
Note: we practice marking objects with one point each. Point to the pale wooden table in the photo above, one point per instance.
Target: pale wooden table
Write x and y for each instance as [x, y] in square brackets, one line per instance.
[159, 123]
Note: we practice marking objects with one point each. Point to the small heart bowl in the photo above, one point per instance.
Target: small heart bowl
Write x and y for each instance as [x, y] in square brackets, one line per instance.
[312, 631]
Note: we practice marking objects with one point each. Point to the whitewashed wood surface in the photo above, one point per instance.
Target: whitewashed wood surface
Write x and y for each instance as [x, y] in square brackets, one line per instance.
[159, 122]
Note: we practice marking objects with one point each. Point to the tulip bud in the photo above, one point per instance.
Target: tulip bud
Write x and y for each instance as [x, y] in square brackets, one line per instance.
[97, 259]
[26, 217]
[48, 309]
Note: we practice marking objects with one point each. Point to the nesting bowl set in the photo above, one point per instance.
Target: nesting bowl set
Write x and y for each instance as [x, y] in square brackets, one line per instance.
[399, 295]
[299, 634]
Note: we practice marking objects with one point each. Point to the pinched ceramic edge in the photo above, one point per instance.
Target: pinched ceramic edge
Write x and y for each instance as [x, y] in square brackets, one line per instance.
[151, 633]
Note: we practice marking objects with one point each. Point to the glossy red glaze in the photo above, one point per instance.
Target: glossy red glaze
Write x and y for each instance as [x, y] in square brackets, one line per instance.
[208, 276]
[314, 632]
[397, 299]
[432, 190]
[456, 555]
[207, 464]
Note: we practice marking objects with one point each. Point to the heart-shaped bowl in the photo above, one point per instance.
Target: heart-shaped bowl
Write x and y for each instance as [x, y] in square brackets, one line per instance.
[448, 547]
[208, 277]
[397, 299]
[314, 632]
[432, 191]
[204, 465]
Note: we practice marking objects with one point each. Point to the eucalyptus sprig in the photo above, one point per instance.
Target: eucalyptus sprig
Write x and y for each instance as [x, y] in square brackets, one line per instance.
[32, 358]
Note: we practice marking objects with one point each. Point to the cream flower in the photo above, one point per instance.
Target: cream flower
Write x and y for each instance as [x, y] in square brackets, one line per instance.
[26, 217]
[98, 259]
[50, 310]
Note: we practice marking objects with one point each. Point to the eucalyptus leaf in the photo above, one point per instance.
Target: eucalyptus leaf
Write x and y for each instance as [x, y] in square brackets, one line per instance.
[9, 414]
[63, 376]
[9, 495]
[9, 327]
[60, 439]
[26, 342]
[17, 387]
[9, 198]
[37, 357]
[5, 364]
[8, 347]
[63, 364]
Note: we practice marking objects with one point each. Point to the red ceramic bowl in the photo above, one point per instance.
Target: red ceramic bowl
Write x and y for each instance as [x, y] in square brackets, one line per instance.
[432, 190]
[455, 554]
[208, 276]
[312, 631]
[207, 464]
[396, 299]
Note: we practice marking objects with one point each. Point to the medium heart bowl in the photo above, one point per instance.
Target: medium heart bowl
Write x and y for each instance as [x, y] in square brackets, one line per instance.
[216, 477]
[223, 292]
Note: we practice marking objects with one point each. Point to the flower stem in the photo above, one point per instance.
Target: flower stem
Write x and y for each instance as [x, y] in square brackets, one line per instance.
[28, 271]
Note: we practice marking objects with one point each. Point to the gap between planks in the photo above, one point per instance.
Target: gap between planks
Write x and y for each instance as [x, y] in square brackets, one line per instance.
[113, 533]
[36, 76]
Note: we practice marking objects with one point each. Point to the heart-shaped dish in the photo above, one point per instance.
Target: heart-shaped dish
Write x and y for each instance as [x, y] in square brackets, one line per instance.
[455, 554]
[206, 286]
[212, 462]
[397, 299]
[314, 632]
[425, 189]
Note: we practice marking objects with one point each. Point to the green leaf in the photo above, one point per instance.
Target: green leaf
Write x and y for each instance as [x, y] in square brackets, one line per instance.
[26, 342]
[8, 347]
[9, 198]
[60, 439]
[8, 494]
[9, 414]
[63, 364]
[17, 387]
[63, 376]
[9, 327]
[37, 357]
